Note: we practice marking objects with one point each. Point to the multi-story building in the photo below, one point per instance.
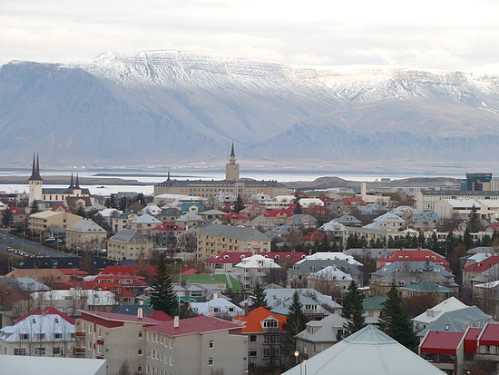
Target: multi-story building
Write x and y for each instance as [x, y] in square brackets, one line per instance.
[129, 245]
[46, 332]
[426, 200]
[41, 222]
[86, 235]
[71, 301]
[265, 330]
[143, 345]
[227, 189]
[216, 238]
[196, 346]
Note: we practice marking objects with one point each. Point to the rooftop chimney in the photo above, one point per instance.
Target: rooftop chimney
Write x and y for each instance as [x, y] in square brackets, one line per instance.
[176, 321]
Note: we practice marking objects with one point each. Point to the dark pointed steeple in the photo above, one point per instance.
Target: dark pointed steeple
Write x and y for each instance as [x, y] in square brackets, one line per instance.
[168, 177]
[35, 170]
[77, 182]
[71, 184]
[232, 153]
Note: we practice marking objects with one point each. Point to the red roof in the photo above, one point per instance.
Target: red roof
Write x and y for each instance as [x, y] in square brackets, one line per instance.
[73, 272]
[349, 201]
[46, 311]
[196, 325]
[419, 255]
[159, 315]
[470, 340]
[436, 342]
[117, 318]
[482, 266]
[489, 335]
[285, 256]
[279, 212]
[253, 320]
[169, 226]
[315, 236]
[126, 270]
[235, 216]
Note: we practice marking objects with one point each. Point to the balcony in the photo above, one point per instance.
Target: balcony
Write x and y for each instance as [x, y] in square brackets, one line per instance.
[99, 356]
[100, 341]
[80, 334]
[78, 352]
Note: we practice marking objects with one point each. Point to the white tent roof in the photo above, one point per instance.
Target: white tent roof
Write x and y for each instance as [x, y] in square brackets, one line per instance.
[26, 365]
[257, 261]
[329, 255]
[331, 273]
[430, 315]
[368, 351]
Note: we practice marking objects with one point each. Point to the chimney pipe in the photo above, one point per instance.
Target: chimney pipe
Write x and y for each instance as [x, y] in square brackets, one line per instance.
[176, 321]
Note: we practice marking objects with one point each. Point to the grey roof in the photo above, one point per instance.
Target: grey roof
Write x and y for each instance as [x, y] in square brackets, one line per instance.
[412, 267]
[128, 235]
[325, 333]
[240, 233]
[147, 219]
[458, 320]
[279, 300]
[299, 219]
[30, 285]
[27, 365]
[56, 191]
[348, 220]
[368, 351]
[86, 225]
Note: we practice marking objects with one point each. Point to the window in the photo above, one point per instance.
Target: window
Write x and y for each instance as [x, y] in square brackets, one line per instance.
[57, 335]
[252, 338]
[211, 344]
[24, 336]
[210, 361]
[40, 351]
[252, 353]
[19, 351]
[270, 323]
[56, 351]
[140, 333]
[270, 339]
[139, 352]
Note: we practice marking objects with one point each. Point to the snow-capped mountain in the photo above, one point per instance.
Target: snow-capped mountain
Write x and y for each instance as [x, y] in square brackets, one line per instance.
[162, 106]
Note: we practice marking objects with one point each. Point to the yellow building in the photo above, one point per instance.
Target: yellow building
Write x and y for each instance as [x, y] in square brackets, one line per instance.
[217, 238]
[86, 235]
[129, 245]
[41, 222]
[230, 187]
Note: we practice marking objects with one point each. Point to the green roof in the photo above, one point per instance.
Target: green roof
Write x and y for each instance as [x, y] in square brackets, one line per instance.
[374, 303]
[206, 278]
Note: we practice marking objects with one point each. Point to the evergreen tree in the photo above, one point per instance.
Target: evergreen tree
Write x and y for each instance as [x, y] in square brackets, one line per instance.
[395, 322]
[7, 218]
[259, 296]
[468, 239]
[239, 204]
[163, 298]
[474, 224]
[353, 310]
[421, 239]
[295, 324]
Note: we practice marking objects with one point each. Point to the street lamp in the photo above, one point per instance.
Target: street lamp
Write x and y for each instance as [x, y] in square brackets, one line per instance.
[296, 354]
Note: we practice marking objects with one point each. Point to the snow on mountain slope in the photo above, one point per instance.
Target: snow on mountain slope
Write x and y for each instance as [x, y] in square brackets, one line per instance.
[167, 105]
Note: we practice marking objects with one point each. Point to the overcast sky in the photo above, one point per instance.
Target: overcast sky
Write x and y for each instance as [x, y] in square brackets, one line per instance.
[429, 34]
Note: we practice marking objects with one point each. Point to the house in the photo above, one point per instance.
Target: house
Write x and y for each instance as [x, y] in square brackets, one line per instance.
[265, 330]
[388, 222]
[413, 255]
[486, 296]
[125, 287]
[373, 305]
[85, 235]
[442, 349]
[50, 276]
[329, 279]
[431, 315]
[368, 351]
[481, 272]
[320, 335]
[349, 221]
[129, 245]
[404, 273]
[426, 288]
[47, 332]
[253, 269]
[302, 221]
[297, 275]
[195, 346]
[215, 238]
[29, 365]
[73, 300]
[218, 307]
[144, 224]
[213, 282]
[315, 304]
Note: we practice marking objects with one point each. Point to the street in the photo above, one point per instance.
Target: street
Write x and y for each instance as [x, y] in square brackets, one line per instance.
[23, 247]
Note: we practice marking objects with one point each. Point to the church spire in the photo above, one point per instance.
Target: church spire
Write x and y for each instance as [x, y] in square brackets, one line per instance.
[71, 184]
[77, 181]
[232, 153]
[35, 170]
[168, 177]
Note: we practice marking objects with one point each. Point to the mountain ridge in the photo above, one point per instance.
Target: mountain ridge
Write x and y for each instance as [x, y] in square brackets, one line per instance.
[168, 106]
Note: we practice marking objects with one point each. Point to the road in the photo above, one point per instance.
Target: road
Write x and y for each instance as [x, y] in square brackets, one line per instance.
[27, 246]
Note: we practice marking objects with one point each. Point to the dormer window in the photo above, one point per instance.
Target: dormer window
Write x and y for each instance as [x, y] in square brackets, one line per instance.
[270, 323]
